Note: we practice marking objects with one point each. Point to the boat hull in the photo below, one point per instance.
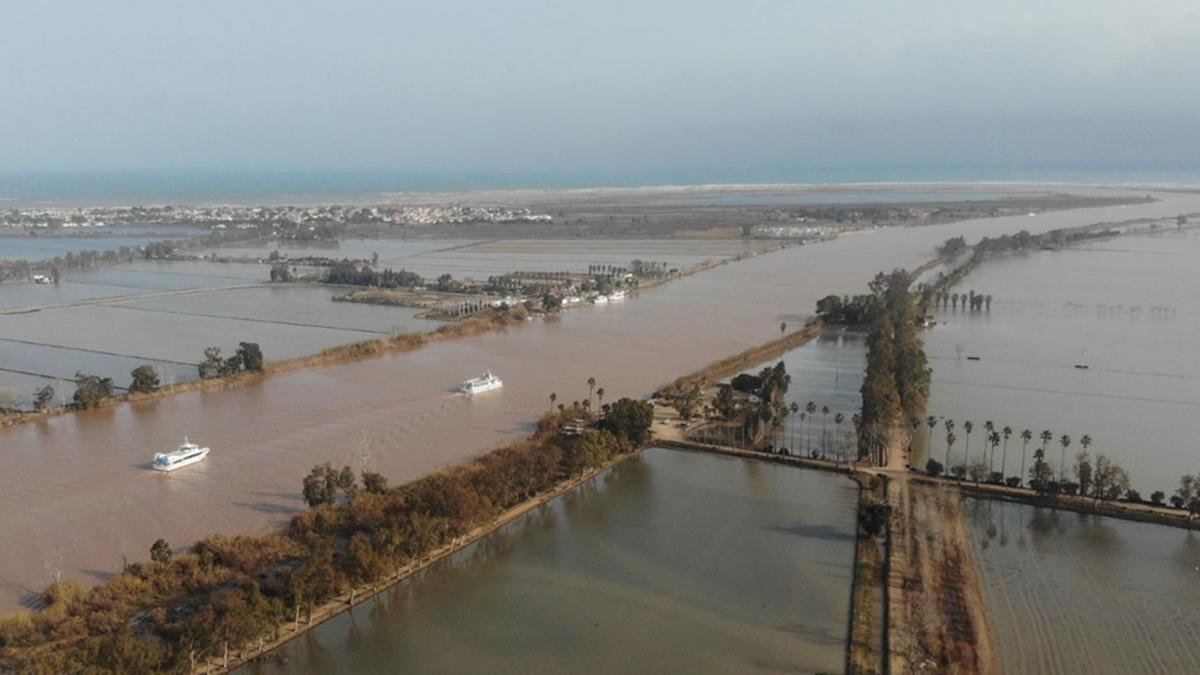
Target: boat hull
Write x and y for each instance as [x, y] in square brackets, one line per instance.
[199, 457]
[481, 388]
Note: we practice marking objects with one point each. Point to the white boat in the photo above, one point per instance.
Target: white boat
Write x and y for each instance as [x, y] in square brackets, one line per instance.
[600, 300]
[476, 385]
[616, 295]
[41, 279]
[186, 454]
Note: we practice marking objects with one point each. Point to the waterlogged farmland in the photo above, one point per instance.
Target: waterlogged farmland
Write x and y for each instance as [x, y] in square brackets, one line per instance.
[1073, 593]
[109, 320]
[673, 561]
[1127, 308]
[478, 260]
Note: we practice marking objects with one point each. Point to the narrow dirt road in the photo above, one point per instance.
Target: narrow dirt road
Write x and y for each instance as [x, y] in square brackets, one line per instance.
[937, 617]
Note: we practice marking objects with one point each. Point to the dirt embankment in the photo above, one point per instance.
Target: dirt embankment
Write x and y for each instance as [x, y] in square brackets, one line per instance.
[937, 620]
[474, 325]
[750, 358]
[865, 651]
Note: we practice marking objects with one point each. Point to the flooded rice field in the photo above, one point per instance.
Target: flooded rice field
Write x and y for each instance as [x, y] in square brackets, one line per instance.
[1075, 593]
[76, 488]
[41, 248]
[114, 337]
[479, 260]
[672, 561]
[1127, 308]
[826, 372]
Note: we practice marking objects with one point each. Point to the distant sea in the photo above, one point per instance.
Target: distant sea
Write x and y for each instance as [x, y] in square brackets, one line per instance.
[78, 188]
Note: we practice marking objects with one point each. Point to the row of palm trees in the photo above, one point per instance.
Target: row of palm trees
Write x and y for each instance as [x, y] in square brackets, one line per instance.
[994, 438]
[592, 391]
[807, 415]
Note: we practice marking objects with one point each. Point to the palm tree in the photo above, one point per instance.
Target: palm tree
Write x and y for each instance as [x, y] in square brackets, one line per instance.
[795, 408]
[949, 433]
[1085, 441]
[591, 386]
[1007, 431]
[824, 422]
[950, 438]
[994, 441]
[1046, 438]
[600, 396]
[811, 409]
[803, 416]
[1065, 442]
[968, 427]
[930, 422]
[837, 423]
[1026, 436]
[553, 398]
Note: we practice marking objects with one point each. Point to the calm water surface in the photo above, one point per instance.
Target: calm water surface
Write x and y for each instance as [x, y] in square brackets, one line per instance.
[1073, 593]
[1128, 308]
[674, 562]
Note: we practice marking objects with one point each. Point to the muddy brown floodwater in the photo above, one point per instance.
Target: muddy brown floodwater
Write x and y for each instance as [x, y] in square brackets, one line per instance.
[77, 494]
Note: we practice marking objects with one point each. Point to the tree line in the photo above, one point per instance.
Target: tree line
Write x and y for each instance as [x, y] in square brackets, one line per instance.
[230, 594]
[896, 385]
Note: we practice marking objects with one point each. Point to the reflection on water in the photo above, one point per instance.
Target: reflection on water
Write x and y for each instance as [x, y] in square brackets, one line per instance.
[1128, 309]
[1075, 593]
[827, 372]
[675, 562]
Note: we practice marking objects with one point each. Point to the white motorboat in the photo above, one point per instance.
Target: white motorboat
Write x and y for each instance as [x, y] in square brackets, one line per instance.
[476, 385]
[187, 454]
[616, 295]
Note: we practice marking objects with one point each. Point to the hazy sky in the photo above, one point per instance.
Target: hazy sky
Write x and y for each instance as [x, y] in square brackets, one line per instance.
[664, 84]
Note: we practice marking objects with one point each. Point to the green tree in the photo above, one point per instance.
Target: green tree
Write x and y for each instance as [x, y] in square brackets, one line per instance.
[1040, 474]
[1083, 472]
[1109, 480]
[251, 356]
[591, 383]
[968, 427]
[145, 380]
[374, 483]
[1026, 436]
[994, 441]
[950, 439]
[1006, 432]
[212, 364]
[160, 552]
[1065, 442]
[43, 397]
[725, 403]
[629, 419]
[91, 390]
